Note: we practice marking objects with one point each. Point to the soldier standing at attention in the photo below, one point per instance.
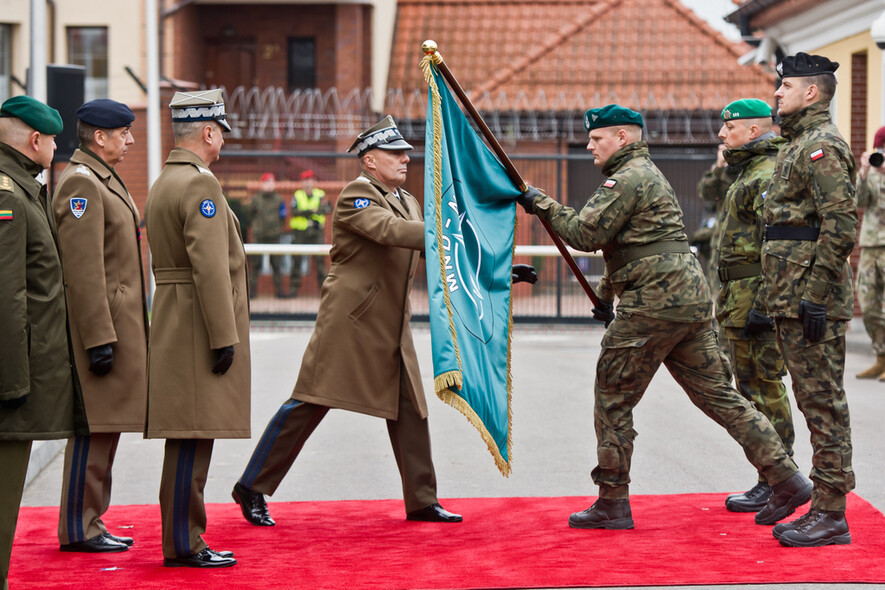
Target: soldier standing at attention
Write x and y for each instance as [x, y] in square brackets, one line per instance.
[39, 393]
[100, 243]
[664, 316]
[266, 214]
[198, 368]
[871, 267]
[810, 229]
[748, 335]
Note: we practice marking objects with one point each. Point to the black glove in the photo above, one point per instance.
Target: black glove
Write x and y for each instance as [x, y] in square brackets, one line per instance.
[814, 320]
[224, 358]
[527, 199]
[604, 312]
[13, 404]
[757, 322]
[101, 359]
[523, 273]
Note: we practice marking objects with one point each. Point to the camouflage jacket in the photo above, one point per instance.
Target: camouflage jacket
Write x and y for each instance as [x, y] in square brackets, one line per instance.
[264, 216]
[871, 195]
[636, 206]
[712, 188]
[812, 186]
[740, 240]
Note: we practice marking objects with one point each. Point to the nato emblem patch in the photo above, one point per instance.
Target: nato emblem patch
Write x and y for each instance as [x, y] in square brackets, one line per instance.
[207, 208]
[78, 207]
[360, 203]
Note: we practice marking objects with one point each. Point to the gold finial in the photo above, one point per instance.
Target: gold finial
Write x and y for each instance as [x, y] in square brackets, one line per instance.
[429, 47]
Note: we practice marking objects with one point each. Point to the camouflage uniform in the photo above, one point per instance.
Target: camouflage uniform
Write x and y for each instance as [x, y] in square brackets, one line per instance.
[757, 362]
[871, 268]
[664, 316]
[712, 188]
[265, 220]
[812, 186]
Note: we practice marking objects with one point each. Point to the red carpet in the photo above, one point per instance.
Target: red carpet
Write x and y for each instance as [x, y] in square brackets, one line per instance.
[502, 543]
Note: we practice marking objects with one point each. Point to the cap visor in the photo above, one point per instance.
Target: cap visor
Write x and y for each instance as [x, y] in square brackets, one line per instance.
[399, 144]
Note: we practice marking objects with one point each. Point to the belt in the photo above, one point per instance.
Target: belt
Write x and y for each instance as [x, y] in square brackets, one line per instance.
[741, 271]
[626, 255]
[791, 232]
[170, 276]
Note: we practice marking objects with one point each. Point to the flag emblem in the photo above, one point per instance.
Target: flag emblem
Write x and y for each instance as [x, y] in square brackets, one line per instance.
[817, 154]
[207, 208]
[5, 214]
[611, 182]
[78, 207]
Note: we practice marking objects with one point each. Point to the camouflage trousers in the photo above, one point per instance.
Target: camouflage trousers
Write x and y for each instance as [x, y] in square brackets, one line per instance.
[633, 348]
[758, 373]
[817, 369]
[871, 294]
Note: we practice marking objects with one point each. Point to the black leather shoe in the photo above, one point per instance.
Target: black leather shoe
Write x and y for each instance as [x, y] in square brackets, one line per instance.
[434, 513]
[785, 498]
[604, 514]
[815, 529]
[100, 544]
[753, 500]
[253, 505]
[205, 558]
[125, 540]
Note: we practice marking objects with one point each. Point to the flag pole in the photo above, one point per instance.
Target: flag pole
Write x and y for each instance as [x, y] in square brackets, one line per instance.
[430, 48]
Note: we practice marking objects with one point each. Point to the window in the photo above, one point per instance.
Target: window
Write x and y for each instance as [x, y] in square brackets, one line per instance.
[88, 47]
[5, 65]
[302, 63]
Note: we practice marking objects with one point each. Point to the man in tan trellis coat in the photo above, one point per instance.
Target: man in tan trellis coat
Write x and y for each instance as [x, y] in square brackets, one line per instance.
[100, 243]
[199, 368]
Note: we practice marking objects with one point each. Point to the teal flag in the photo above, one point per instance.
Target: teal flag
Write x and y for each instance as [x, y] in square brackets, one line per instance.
[469, 220]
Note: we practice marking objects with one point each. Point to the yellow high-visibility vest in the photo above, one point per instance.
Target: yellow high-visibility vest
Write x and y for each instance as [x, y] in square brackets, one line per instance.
[305, 202]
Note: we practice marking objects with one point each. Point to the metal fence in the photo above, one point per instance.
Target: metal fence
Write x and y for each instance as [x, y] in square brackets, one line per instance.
[570, 178]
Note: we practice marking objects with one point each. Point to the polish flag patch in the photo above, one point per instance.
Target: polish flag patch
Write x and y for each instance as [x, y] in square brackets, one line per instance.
[817, 154]
[610, 183]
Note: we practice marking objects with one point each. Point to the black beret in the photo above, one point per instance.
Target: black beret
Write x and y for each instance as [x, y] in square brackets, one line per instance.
[105, 113]
[803, 64]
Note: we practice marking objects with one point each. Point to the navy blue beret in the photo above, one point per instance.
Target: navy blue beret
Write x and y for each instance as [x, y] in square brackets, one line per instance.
[105, 113]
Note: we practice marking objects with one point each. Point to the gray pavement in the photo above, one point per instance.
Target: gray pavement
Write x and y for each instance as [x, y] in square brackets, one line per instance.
[678, 450]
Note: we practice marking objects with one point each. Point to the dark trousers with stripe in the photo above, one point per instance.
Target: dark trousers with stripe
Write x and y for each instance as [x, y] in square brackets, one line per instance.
[182, 509]
[86, 486]
[295, 421]
[14, 455]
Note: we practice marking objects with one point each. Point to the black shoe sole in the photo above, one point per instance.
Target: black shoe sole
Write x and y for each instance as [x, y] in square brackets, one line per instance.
[844, 539]
[614, 525]
[172, 563]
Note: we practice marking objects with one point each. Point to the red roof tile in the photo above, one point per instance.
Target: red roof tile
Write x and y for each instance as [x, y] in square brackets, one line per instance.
[646, 54]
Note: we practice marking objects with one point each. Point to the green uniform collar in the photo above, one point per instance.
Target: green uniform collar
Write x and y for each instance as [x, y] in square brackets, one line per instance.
[637, 149]
[739, 156]
[811, 116]
[20, 168]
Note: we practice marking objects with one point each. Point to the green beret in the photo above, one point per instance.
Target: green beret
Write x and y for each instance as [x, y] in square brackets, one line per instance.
[34, 113]
[611, 115]
[746, 108]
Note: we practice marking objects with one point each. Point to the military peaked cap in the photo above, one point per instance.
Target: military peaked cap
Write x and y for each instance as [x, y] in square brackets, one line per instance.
[382, 135]
[746, 108]
[610, 116]
[202, 105]
[106, 114]
[803, 64]
[37, 115]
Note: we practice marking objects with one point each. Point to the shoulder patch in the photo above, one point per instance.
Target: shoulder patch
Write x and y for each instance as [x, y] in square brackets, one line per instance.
[205, 171]
[83, 169]
[78, 207]
[610, 183]
[207, 208]
[361, 203]
[5, 183]
[6, 215]
[816, 154]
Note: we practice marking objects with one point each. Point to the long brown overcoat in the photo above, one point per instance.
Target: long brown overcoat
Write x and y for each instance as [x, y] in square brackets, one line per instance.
[201, 303]
[362, 338]
[35, 356]
[99, 240]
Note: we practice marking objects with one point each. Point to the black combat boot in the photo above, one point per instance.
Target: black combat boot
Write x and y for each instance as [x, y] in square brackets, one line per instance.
[753, 500]
[604, 514]
[785, 498]
[815, 529]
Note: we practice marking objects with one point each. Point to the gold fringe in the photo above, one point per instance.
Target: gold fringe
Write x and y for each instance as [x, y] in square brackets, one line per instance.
[460, 404]
[446, 381]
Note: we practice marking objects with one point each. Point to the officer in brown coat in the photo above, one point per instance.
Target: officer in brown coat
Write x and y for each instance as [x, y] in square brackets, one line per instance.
[198, 368]
[377, 236]
[39, 393]
[99, 239]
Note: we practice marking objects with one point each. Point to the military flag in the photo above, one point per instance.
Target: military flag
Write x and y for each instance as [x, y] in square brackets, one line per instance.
[470, 216]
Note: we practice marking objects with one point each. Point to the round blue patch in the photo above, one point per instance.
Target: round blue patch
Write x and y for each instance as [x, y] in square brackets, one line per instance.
[207, 208]
[360, 203]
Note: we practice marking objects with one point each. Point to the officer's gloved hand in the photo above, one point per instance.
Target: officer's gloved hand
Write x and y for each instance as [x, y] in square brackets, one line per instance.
[527, 199]
[13, 404]
[224, 358]
[604, 312]
[757, 322]
[523, 273]
[814, 320]
[101, 359]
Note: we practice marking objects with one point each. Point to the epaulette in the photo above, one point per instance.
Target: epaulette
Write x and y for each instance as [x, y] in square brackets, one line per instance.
[6, 183]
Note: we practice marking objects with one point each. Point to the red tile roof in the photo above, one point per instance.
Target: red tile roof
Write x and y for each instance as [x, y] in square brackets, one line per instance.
[573, 54]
